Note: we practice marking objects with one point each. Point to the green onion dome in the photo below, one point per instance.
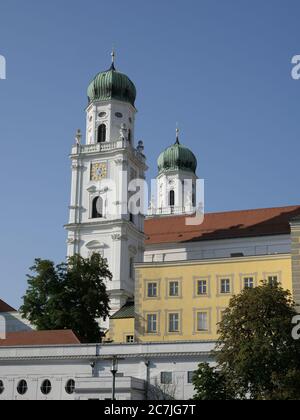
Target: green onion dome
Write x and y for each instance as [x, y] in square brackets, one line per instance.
[177, 158]
[111, 84]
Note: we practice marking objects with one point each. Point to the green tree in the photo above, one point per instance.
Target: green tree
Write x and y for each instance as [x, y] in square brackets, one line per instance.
[210, 384]
[256, 352]
[70, 295]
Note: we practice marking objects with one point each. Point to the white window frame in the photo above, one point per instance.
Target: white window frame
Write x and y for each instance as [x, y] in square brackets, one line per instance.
[205, 321]
[152, 319]
[176, 288]
[225, 286]
[154, 286]
[173, 322]
[250, 280]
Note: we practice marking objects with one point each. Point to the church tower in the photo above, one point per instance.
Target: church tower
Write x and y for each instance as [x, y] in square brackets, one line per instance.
[102, 169]
[176, 183]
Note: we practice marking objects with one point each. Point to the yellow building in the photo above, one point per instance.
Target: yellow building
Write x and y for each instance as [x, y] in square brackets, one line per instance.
[181, 298]
[122, 325]
[184, 301]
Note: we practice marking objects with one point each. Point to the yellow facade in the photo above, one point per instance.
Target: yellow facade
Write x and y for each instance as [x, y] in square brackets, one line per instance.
[185, 300]
[121, 330]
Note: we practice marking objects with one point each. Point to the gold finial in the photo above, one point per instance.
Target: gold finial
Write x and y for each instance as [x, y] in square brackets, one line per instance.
[177, 133]
[113, 56]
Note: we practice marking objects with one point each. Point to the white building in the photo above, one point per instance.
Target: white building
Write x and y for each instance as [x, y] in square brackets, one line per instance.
[82, 372]
[102, 168]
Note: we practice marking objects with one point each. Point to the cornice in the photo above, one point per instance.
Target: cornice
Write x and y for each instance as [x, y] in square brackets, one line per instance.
[108, 357]
[227, 260]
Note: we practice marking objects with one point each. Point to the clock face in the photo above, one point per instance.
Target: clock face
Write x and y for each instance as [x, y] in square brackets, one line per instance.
[98, 171]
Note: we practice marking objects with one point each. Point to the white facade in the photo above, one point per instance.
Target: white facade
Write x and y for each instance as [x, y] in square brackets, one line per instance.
[103, 168]
[140, 371]
[223, 248]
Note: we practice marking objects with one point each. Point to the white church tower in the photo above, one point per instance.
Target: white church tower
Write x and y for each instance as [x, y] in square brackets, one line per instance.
[101, 171]
[176, 183]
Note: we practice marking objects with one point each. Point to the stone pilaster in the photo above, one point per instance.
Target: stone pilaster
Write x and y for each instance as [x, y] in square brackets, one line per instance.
[295, 253]
[138, 306]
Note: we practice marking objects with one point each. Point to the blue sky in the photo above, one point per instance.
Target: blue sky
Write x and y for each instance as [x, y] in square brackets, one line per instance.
[221, 68]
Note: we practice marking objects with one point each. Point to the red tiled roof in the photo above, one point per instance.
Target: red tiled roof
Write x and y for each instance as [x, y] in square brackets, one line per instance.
[4, 307]
[40, 338]
[227, 225]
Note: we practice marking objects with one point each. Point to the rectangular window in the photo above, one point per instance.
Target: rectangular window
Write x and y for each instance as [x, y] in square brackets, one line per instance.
[130, 339]
[174, 289]
[152, 323]
[173, 323]
[202, 321]
[152, 290]
[131, 268]
[248, 282]
[272, 280]
[202, 287]
[191, 377]
[225, 286]
[166, 378]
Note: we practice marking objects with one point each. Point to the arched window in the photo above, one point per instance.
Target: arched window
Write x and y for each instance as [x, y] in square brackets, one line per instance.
[102, 133]
[172, 198]
[97, 210]
[129, 136]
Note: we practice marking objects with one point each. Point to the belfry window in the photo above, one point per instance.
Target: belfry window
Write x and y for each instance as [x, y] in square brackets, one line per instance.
[97, 210]
[101, 133]
[172, 198]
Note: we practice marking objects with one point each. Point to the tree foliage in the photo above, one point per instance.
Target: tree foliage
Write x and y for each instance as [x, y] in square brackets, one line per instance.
[256, 354]
[210, 384]
[70, 295]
